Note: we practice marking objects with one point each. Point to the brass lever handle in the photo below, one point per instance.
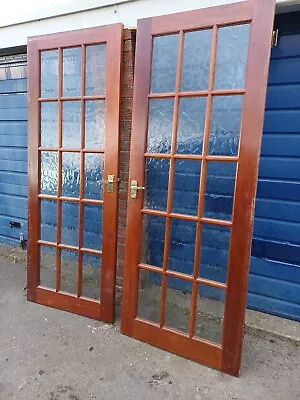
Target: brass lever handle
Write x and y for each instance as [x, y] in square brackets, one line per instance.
[110, 183]
[134, 188]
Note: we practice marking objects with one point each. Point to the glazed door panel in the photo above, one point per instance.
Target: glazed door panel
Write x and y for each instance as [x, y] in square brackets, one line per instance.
[74, 92]
[200, 83]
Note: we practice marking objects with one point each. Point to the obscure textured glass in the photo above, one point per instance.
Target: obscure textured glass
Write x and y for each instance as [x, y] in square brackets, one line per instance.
[48, 266]
[186, 186]
[92, 230]
[178, 301]
[49, 168]
[91, 267]
[48, 220]
[69, 268]
[69, 223]
[191, 120]
[225, 125]
[153, 240]
[95, 70]
[149, 295]
[164, 63]
[70, 174]
[71, 124]
[196, 60]
[160, 125]
[95, 124]
[210, 313]
[232, 52]
[214, 252]
[49, 73]
[219, 191]
[93, 176]
[182, 246]
[156, 183]
[71, 71]
[49, 124]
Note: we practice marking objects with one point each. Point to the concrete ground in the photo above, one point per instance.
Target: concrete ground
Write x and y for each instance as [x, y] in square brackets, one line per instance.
[50, 354]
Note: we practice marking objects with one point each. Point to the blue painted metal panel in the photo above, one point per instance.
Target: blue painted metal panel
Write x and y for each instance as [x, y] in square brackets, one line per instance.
[274, 284]
[13, 151]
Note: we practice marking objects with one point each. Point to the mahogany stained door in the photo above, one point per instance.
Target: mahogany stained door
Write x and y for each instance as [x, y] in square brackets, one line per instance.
[200, 83]
[74, 91]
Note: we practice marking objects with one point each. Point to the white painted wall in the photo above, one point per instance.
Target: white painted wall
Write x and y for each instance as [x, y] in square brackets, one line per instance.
[20, 19]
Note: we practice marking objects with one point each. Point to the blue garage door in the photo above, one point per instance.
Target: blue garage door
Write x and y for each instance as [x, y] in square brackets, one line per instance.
[274, 284]
[13, 148]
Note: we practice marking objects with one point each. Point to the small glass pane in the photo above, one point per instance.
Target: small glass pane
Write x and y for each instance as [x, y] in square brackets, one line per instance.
[93, 176]
[164, 63]
[49, 73]
[71, 124]
[69, 223]
[95, 70]
[178, 302]
[48, 220]
[160, 125]
[49, 124]
[71, 71]
[70, 174]
[48, 267]
[156, 185]
[219, 191]
[149, 295]
[69, 269]
[95, 124]
[91, 268]
[182, 246]
[225, 125]
[186, 186]
[92, 234]
[196, 60]
[232, 52]
[153, 240]
[191, 120]
[210, 313]
[49, 168]
[214, 252]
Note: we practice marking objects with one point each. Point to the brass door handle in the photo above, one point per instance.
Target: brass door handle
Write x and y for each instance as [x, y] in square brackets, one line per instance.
[110, 183]
[134, 188]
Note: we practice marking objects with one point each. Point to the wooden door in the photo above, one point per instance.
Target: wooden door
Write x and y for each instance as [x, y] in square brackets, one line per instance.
[74, 92]
[199, 96]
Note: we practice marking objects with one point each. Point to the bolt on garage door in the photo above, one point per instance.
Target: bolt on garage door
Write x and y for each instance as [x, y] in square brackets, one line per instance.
[13, 148]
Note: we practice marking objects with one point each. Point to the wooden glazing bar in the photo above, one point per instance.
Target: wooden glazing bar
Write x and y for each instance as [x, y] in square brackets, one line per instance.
[215, 284]
[46, 243]
[47, 149]
[68, 247]
[81, 188]
[59, 180]
[157, 155]
[95, 151]
[91, 251]
[222, 158]
[201, 194]
[92, 201]
[47, 197]
[212, 221]
[69, 199]
[195, 157]
[70, 98]
[171, 180]
[160, 95]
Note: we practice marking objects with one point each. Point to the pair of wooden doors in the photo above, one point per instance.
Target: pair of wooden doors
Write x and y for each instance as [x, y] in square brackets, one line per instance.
[199, 93]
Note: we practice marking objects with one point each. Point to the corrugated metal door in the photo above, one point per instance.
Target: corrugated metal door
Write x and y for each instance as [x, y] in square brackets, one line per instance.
[13, 148]
[274, 284]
